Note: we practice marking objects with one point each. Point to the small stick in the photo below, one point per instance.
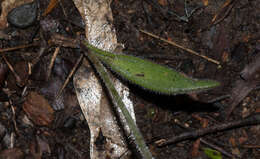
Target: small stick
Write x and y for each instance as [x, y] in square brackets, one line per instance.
[221, 150]
[40, 53]
[230, 5]
[202, 140]
[17, 77]
[18, 47]
[13, 117]
[181, 47]
[251, 146]
[69, 76]
[252, 120]
[57, 50]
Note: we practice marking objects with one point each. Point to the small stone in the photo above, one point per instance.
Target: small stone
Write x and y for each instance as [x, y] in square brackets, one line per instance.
[23, 16]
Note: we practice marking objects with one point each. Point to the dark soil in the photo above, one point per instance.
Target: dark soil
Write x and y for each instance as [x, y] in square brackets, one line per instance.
[233, 39]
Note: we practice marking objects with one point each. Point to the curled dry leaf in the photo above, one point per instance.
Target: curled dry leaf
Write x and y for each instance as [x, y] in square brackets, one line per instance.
[38, 109]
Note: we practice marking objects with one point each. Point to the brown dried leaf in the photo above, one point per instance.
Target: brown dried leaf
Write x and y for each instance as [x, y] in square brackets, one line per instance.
[7, 6]
[38, 109]
[13, 153]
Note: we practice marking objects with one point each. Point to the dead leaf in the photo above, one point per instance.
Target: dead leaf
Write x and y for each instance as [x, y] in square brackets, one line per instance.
[96, 107]
[38, 109]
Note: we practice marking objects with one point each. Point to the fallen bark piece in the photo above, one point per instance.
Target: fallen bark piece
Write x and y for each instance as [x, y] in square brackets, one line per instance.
[93, 101]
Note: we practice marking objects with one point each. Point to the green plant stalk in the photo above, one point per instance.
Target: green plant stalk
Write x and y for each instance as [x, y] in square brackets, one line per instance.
[149, 75]
[118, 103]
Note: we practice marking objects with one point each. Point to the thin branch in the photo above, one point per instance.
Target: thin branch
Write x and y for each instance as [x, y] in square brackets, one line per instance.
[17, 77]
[69, 76]
[181, 47]
[57, 50]
[252, 120]
[18, 47]
[221, 150]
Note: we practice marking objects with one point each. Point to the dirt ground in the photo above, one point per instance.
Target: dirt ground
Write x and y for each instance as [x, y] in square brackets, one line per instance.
[225, 30]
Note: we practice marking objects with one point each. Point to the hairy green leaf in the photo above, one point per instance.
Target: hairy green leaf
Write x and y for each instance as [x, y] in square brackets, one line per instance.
[212, 154]
[150, 75]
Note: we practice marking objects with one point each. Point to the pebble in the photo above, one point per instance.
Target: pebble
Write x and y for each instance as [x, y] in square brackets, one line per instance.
[23, 16]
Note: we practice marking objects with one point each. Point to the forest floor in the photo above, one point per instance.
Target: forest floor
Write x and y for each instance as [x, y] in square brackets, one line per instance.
[226, 31]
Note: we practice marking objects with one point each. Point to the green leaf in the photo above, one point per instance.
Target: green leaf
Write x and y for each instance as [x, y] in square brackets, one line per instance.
[137, 137]
[150, 75]
[212, 154]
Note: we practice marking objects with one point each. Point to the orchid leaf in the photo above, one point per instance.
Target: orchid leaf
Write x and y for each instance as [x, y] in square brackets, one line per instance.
[149, 75]
[212, 154]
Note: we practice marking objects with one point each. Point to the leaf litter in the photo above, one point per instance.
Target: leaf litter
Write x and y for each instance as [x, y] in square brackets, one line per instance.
[235, 27]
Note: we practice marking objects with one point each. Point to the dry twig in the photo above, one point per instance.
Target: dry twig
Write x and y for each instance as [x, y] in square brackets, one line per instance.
[181, 47]
[17, 77]
[18, 47]
[70, 75]
[57, 50]
[252, 120]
